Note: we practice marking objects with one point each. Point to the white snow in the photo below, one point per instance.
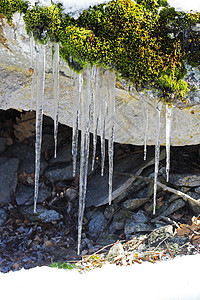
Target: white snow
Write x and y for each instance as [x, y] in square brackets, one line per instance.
[185, 5]
[70, 6]
[176, 279]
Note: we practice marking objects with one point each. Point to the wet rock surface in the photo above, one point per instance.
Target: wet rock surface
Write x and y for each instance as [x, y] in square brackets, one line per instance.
[50, 235]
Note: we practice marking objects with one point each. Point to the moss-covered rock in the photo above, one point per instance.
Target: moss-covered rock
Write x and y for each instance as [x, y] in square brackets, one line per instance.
[146, 42]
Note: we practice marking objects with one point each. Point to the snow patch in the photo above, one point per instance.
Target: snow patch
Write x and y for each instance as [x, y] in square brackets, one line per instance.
[176, 279]
[185, 5]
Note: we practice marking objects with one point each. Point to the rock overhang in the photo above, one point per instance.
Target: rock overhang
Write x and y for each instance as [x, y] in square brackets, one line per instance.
[15, 62]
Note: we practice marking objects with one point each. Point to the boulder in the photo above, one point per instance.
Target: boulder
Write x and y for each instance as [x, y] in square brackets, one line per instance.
[15, 63]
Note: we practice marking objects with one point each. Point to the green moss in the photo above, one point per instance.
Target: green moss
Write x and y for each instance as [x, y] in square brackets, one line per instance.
[9, 7]
[144, 43]
[63, 265]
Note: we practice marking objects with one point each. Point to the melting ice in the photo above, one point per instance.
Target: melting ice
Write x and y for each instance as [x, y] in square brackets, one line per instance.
[157, 152]
[40, 77]
[168, 137]
[55, 50]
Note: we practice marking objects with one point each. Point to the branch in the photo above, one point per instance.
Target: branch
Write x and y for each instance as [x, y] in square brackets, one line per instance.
[165, 188]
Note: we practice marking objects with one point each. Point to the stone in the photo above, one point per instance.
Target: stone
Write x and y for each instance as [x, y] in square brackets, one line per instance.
[119, 220]
[132, 204]
[107, 239]
[43, 215]
[188, 180]
[25, 194]
[137, 223]
[197, 189]
[3, 216]
[8, 178]
[2, 144]
[15, 61]
[174, 206]
[131, 227]
[26, 154]
[116, 252]
[140, 216]
[64, 155]
[122, 185]
[59, 172]
[96, 224]
[159, 234]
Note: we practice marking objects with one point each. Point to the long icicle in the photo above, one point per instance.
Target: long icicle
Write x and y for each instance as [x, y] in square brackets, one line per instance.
[78, 90]
[40, 78]
[157, 152]
[32, 70]
[96, 95]
[111, 121]
[103, 116]
[85, 127]
[55, 52]
[169, 110]
[146, 126]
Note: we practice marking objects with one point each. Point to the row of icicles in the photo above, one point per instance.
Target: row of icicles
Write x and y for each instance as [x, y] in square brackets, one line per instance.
[93, 110]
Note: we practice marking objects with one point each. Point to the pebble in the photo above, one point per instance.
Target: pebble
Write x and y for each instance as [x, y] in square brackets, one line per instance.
[132, 204]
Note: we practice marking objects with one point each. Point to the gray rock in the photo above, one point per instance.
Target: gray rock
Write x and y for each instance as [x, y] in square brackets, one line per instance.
[43, 215]
[197, 189]
[122, 185]
[189, 180]
[131, 226]
[107, 239]
[140, 216]
[59, 172]
[174, 206]
[64, 155]
[132, 204]
[47, 142]
[26, 154]
[109, 212]
[116, 252]
[96, 224]
[2, 144]
[15, 61]
[119, 220]
[8, 178]
[3, 216]
[25, 194]
[160, 234]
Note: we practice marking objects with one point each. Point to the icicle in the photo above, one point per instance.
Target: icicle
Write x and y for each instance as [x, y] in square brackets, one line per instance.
[40, 77]
[146, 125]
[103, 115]
[157, 153]
[32, 46]
[55, 50]
[96, 100]
[111, 117]
[168, 137]
[85, 127]
[78, 89]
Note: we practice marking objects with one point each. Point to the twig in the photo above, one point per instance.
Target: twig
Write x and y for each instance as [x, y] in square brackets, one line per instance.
[161, 242]
[169, 250]
[164, 187]
[103, 249]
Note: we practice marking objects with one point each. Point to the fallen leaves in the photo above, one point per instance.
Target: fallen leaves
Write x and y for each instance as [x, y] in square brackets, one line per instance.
[192, 230]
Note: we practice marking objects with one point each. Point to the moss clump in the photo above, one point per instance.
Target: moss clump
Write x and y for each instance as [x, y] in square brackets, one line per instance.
[145, 41]
[9, 7]
[63, 265]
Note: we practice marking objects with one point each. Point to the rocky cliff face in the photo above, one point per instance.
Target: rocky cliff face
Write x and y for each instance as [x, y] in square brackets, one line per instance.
[15, 92]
